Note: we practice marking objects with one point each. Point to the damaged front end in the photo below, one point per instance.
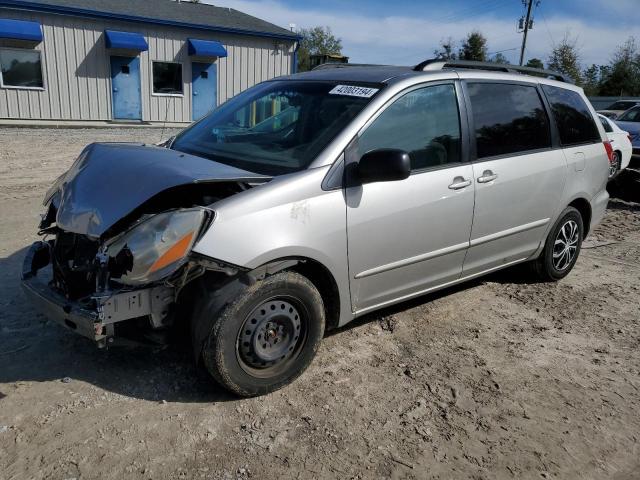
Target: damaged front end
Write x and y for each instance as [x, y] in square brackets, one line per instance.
[119, 229]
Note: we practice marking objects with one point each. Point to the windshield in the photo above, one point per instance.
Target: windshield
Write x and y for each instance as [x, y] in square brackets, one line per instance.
[276, 127]
[632, 115]
[621, 105]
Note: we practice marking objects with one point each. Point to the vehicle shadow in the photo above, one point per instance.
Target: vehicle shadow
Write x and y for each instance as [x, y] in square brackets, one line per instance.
[33, 349]
[518, 274]
[625, 187]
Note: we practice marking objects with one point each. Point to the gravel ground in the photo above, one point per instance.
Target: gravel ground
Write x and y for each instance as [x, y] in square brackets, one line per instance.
[497, 378]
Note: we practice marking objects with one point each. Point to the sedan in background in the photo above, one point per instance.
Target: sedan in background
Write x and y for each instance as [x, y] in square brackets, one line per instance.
[630, 122]
[620, 142]
[616, 109]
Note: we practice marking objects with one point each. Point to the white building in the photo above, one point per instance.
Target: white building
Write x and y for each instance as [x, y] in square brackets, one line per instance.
[64, 61]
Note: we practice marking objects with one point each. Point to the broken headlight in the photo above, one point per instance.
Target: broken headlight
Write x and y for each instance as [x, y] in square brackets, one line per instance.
[156, 247]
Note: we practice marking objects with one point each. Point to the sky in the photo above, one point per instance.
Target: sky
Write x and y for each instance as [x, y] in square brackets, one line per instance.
[404, 32]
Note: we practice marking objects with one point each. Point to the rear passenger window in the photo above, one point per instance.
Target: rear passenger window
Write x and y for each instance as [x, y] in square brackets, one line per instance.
[424, 123]
[572, 116]
[508, 119]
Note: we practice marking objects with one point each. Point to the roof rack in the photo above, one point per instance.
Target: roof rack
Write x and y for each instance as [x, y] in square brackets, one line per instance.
[438, 64]
[326, 66]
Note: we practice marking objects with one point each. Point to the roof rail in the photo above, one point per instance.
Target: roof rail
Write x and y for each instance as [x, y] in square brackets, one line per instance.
[438, 64]
[325, 66]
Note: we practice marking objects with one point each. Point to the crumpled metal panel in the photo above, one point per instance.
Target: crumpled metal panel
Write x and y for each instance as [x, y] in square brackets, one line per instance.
[110, 180]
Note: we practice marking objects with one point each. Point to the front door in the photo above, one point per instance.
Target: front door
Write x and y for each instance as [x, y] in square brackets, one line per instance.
[125, 85]
[204, 88]
[406, 237]
[519, 176]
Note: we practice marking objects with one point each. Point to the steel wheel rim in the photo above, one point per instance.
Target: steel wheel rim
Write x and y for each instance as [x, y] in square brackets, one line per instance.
[565, 246]
[271, 337]
[614, 165]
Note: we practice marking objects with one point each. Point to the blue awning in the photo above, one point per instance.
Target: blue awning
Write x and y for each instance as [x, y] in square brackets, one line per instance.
[20, 30]
[126, 40]
[206, 48]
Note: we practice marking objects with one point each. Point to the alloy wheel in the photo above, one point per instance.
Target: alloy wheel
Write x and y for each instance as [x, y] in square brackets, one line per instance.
[565, 246]
[614, 165]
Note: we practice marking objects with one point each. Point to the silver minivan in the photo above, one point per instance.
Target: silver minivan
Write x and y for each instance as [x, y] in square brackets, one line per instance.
[309, 200]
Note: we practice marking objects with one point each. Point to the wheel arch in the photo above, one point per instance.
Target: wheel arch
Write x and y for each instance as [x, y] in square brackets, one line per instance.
[318, 274]
[584, 207]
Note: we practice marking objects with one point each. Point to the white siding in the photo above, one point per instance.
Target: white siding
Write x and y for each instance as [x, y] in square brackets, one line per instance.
[77, 78]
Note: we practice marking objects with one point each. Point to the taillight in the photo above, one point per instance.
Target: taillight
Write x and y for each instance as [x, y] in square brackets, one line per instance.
[609, 149]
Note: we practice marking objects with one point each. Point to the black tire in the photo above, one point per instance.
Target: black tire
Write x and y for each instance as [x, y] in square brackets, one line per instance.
[233, 352]
[549, 268]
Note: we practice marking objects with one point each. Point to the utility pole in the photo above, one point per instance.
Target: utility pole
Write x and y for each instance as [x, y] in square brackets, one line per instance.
[527, 21]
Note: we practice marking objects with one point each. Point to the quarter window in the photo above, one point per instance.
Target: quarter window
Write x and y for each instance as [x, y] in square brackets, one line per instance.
[167, 78]
[508, 119]
[21, 68]
[574, 120]
[424, 123]
[606, 125]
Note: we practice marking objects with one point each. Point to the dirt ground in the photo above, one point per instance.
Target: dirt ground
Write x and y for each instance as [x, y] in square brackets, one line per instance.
[498, 378]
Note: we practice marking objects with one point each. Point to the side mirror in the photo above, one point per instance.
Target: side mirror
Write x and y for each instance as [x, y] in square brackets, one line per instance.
[384, 165]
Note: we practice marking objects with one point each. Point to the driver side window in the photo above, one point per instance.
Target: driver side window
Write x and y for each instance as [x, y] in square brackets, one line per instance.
[425, 123]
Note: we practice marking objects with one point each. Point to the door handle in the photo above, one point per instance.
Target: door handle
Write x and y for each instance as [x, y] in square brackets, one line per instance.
[487, 176]
[195, 93]
[459, 182]
[115, 89]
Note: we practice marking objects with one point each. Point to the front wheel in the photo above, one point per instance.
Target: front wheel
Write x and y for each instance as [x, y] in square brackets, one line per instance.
[267, 337]
[562, 247]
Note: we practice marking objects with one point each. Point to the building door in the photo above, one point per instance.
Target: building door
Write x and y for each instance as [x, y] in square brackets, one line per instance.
[125, 84]
[204, 88]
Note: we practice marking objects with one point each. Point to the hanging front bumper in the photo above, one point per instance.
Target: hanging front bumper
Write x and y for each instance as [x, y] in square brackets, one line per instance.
[95, 319]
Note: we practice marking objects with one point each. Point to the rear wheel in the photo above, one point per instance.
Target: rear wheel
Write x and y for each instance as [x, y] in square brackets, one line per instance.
[562, 247]
[614, 166]
[266, 337]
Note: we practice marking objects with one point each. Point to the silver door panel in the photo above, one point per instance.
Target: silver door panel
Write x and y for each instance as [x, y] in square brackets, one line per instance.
[512, 212]
[407, 236]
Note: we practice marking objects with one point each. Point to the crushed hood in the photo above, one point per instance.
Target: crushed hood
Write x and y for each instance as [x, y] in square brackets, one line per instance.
[110, 180]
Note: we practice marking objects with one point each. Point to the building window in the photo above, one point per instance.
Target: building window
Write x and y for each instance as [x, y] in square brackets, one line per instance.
[21, 68]
[167, 78]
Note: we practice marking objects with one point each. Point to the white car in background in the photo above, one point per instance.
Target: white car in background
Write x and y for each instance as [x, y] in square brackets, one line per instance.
[621, 144]
[616, 109]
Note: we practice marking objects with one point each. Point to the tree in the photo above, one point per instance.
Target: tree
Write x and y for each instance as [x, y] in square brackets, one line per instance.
[535, 63]
[623, 74]
[591, 80]
[499, 58]
[316, 41]
[474, 47]
[565, 59]
[446, 50]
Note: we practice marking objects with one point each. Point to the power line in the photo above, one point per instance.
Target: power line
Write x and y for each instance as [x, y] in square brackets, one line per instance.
[465, 13]
[505, 50]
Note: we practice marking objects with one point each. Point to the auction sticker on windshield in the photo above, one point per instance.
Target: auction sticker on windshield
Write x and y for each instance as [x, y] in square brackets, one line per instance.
[353, 91]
